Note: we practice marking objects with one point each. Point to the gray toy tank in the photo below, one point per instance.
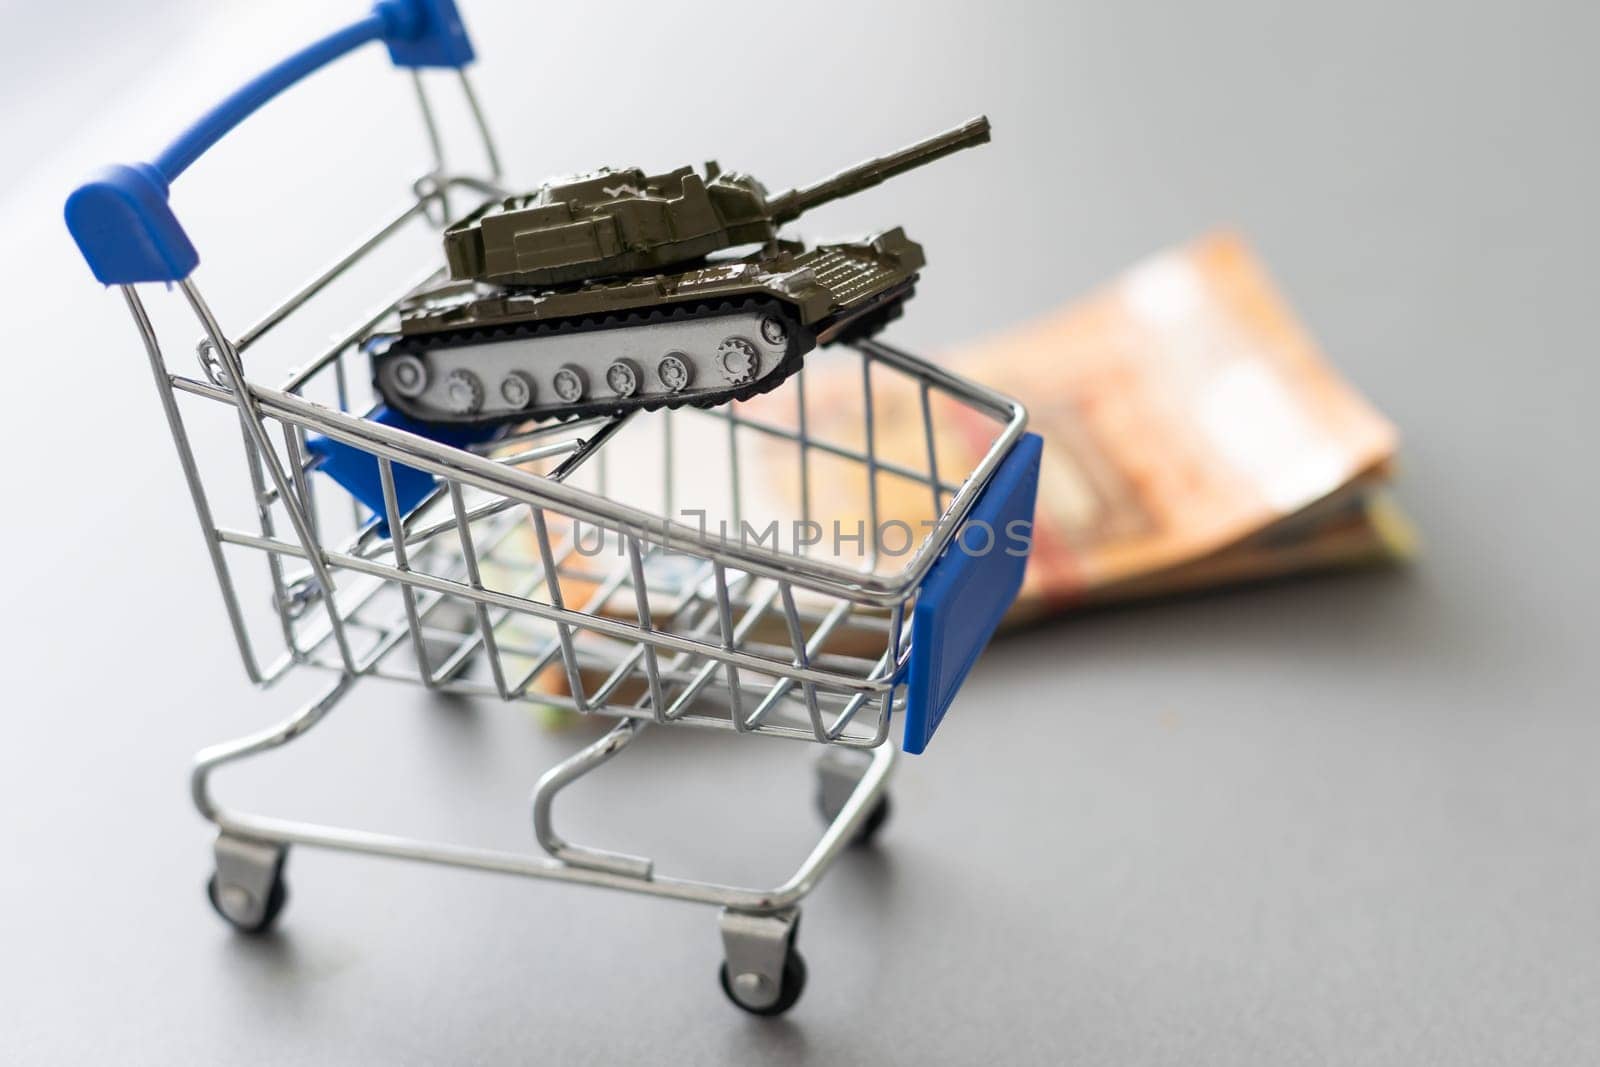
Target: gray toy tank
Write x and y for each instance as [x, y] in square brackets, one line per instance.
[606, 292]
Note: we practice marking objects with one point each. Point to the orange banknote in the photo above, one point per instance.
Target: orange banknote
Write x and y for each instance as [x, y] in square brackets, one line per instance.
[1193, 432]
[1194, 436]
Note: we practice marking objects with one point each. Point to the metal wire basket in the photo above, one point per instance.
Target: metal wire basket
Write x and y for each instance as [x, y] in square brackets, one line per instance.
[671, 568]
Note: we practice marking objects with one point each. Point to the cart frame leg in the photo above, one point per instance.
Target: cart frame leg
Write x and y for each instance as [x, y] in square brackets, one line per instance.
[839, 770]
[591, 758]
[566, 862]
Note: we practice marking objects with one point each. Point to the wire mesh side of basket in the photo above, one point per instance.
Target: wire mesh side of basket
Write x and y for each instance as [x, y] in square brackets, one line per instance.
[559, 565]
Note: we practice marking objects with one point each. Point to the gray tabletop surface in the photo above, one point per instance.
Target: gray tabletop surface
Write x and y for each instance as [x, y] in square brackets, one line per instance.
[1347, 820]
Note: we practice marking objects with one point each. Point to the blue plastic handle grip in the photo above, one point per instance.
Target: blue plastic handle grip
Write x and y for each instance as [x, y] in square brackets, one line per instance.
[968, 591]
[121, 219]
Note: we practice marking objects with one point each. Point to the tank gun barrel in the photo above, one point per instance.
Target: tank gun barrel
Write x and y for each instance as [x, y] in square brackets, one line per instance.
[795, 202]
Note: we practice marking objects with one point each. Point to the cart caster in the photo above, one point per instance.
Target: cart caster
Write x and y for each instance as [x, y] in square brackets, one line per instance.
[764, 973]
[248, 889]
[838, 771]
[869, 827]
[792, 984]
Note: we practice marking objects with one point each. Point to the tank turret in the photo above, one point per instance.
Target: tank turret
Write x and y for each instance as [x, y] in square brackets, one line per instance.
[626, 221]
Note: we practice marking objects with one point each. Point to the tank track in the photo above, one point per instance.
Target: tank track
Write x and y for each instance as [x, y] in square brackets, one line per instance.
[801, 339]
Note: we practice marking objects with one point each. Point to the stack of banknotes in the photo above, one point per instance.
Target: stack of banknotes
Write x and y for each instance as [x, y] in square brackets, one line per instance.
[1194, 436]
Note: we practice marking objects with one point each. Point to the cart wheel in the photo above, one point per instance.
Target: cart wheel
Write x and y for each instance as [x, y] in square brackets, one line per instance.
[869, 827]
[792, 985]
[838, 772]
[277, 897]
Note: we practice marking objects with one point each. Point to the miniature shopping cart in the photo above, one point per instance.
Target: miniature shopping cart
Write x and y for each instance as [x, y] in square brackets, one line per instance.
[552, 564]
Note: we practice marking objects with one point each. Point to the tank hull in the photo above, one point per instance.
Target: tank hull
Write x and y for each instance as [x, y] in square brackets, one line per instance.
[476, 355]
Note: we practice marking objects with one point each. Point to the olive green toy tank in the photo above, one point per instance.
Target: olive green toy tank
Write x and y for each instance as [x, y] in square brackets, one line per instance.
[619, 289]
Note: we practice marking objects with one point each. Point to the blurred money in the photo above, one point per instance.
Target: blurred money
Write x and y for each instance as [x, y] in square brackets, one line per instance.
[1194, 437]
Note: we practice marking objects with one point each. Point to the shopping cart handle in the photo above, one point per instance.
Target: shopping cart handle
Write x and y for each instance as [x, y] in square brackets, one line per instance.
[121, 219]
[968, 591]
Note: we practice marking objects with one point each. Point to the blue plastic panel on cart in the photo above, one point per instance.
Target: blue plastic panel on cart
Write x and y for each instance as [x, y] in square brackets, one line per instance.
[357, 470]
[969, 590]
[121, 219]
[425, 33]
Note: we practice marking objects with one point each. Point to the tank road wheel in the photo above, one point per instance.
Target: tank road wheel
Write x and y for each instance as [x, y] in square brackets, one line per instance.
[517, 389]
[673, 370]
[571, 383]
[623, 377]
[763, 973]
[410, 376]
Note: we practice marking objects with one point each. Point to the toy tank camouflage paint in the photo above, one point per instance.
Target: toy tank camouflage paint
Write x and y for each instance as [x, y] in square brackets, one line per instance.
[605, 292]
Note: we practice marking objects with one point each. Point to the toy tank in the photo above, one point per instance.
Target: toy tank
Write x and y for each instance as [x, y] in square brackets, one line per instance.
[617, 290]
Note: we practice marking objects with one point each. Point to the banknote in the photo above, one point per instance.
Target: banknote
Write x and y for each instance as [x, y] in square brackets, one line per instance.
[1194, 435]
